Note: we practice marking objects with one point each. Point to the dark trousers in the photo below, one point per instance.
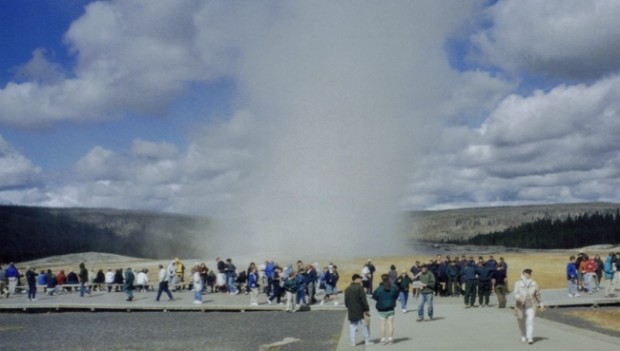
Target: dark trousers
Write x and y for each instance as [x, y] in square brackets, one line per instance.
[277, 294]
[484, 291]
[500, 291]
[163, 287]
[453, 286]
[470, 292]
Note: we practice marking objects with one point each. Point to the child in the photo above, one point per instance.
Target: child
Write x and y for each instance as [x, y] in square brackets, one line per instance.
[571, 277]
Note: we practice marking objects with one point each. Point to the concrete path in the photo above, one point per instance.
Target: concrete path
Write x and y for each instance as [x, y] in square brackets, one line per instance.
[488, 328]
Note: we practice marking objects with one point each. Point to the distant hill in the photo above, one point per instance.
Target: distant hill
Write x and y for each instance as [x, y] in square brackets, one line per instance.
[28, 233]
[464, 223]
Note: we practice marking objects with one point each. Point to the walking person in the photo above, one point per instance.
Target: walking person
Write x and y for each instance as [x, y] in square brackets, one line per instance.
[427, 281]
[290, 288]
[128, 285]
[357, 310]
[83, 277]
[527, 297]
[386, 295]
[31, 278]
[609, 270]
[275, 279]
[163, 284]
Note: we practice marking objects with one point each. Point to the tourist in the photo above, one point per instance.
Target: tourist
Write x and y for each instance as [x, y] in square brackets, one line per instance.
[331, 279]
[3, 284]
[357, 310]
[608, 269]
[365, 273]
[468, 276]
[83, 276]
[581, 262]
[31, 278]
[415, 271]
[311, 278]
[590, 275]
[231, 272]
[142, 281]
[427, 281]
[598, 272]
[275, 279]
[269, 268]
[204, 277]
[52, 284]
[163, 284]
[42, 279]
[118, 279]
[197, 284]
[172, 274]
[180, 273]
[253, 286]
[571, 277]
[402, 283]
[128, 285]
[301, 287]
[453, 274]
[290, 289]
[392, 275]
[109, 279]
[527, 297]
[499, 285]
[372, 270]
[12, 275]
[386, 295]
[484, 284]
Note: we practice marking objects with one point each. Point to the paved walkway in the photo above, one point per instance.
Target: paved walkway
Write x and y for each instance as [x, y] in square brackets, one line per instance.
[489, 328]
[454, 326]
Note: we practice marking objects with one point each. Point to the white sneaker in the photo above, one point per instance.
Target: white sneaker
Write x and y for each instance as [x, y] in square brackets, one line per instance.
[577, 295]
[404, 311]
[322, 302]
[198, 302]
[368, 343]
[269, 302]
[570, 295]
[335, 303]
[523, 339]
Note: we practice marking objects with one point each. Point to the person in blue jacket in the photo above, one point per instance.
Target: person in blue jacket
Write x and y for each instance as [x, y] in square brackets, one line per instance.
[571, 277]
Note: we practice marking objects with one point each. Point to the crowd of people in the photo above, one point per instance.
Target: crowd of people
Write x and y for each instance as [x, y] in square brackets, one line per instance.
[584, 273]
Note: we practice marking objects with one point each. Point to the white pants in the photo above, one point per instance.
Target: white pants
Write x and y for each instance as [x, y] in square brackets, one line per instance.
[526, 324]
[290, 301]
[12, 284]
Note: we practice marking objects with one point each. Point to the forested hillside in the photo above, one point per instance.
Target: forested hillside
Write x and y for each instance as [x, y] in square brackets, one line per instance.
[32, 232]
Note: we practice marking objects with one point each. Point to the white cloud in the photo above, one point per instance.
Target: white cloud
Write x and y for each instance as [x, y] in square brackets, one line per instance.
[559, 38]
[151, 149]
[16, 171]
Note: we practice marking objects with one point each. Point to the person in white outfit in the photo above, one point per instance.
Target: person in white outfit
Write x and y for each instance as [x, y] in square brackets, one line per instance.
[527, 299]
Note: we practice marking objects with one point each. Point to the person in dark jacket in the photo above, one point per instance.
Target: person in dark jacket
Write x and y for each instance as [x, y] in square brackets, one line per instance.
[386, 295]
[484, 284]
[427, 281]
[357, 309]
[311, 278]
[128, 286]
[402, 283]
[499, 283]
[468, 275]
[83, 276]
[31, 278]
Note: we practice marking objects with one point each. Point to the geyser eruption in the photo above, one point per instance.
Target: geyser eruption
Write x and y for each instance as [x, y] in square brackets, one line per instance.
[339, 97]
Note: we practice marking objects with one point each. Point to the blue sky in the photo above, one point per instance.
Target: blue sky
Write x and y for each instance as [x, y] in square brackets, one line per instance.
[256, 108]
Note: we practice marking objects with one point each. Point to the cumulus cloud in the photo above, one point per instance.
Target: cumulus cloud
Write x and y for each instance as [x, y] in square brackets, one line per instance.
[16, 171]
[563, 39]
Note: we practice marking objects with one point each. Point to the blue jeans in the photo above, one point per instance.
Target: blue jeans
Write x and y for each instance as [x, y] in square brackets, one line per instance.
[403, 296]
[572, 286]
[353, 330]
[163, 287]
[83, 289]
[422, 300]
[230, 283]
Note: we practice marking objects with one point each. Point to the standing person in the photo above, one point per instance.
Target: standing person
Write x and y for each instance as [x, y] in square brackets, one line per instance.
[163, 284]
[571, 277]
[392, 275]
[468, 275]
[484, 284]
[253, 286]
[452, 271]
[599, 271]
[301, 287]
[311, 278]
[180, 270]
[83, 277]
[372, 269]
[231, 271]
[31, 278]
[269, 268]
[12, 275]
[527, 297]
[590, 275]
[365, 273]
[128, 285]
[2, 281]
[290, 288]
[331, 279]
[499, 284]
[402, 284]
[357, 309]
[142, 280]
[197, 284]
[415, 273]
[609, 269]
[109, 279]
[386, 295]
[172, 275]
[427, 281]
[275, 279]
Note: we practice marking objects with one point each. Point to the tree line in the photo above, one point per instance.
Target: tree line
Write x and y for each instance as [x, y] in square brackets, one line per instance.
[545, 233]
